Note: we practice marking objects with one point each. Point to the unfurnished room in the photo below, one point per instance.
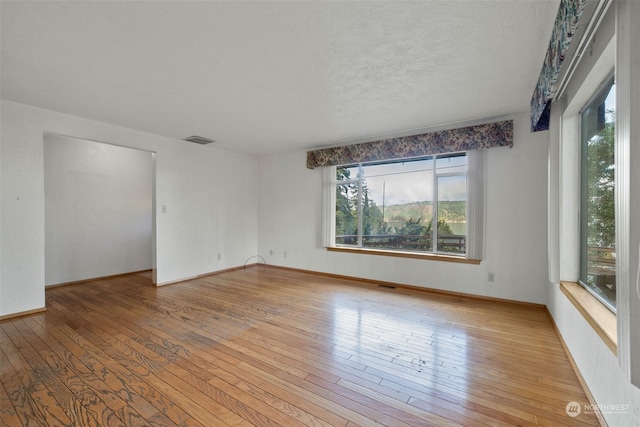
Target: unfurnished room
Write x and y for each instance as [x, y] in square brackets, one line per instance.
[320, 213]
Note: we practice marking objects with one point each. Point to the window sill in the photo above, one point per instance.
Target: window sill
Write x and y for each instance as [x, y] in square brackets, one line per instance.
[401, 254]
[601, 319]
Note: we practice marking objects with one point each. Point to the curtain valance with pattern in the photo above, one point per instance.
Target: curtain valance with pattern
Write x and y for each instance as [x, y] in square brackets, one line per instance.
[498, 134]
[567, 19]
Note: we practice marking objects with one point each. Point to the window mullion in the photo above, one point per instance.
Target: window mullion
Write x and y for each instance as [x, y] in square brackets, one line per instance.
[434, 219]
[359, 198]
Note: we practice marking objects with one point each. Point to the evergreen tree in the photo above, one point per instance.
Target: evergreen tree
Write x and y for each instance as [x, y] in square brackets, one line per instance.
[372, 219]
[415, 227]
[346, 212]
[601, 230]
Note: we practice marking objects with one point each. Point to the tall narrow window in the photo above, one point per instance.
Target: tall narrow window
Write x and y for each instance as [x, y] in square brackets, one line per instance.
[451, 188]
[598, 246]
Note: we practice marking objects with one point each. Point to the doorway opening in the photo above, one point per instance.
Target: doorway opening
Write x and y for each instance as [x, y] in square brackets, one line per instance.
[99, 210]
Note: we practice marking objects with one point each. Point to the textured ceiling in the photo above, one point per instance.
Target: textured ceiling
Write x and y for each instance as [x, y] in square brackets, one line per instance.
[266, 77]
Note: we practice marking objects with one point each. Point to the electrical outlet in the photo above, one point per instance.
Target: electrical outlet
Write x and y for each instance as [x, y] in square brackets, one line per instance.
[219, 257]
[164, 208]
[285, 254]
[492, 277]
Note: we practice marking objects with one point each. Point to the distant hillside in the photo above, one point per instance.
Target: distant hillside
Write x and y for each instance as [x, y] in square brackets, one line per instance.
[397, 215]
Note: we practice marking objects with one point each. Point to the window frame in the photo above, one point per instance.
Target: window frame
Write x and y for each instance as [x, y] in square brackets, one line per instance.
[477, 160]
[607, 85]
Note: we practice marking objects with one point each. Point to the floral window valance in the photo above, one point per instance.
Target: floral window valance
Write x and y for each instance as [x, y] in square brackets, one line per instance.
[569, 14]
[498, 134]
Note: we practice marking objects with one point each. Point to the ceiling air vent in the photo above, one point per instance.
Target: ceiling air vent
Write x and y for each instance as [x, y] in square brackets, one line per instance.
[199, 140]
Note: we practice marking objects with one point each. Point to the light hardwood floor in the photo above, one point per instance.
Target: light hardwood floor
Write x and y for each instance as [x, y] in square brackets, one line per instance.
[265, 346]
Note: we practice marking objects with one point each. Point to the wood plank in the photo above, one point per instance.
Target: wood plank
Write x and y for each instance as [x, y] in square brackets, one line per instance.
[8, 412]
[31, 369]
[272, 347]
[61, 357]
[213, 362]
[100, 375]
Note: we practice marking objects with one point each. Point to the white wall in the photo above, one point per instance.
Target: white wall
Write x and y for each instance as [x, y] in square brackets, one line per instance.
[290, 219]
[98, 209]
[598, 365]
[600, 368]
[210, 196]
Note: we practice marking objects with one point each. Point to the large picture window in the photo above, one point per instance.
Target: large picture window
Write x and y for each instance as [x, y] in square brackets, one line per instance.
[417, 205]
[597, 240]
